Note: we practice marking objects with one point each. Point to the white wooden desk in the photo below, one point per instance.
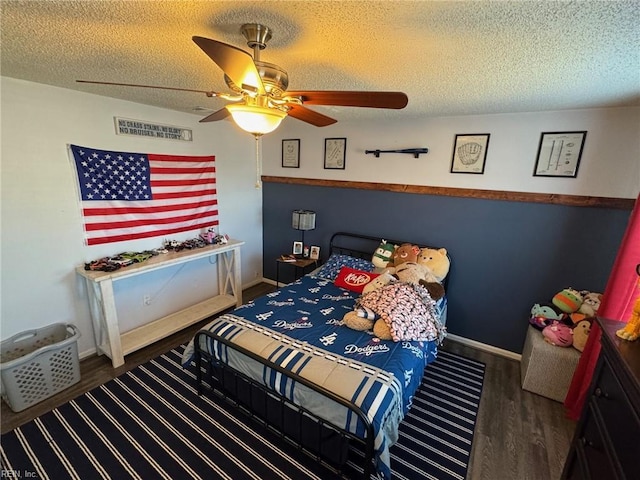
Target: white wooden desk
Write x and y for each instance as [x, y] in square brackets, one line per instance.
[106, 329]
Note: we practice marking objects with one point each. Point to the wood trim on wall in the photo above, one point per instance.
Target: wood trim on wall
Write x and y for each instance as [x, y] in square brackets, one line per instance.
[552, 198]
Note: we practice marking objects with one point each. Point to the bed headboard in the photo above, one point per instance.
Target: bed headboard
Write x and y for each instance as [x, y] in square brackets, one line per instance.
[355, 245]
[363, 246]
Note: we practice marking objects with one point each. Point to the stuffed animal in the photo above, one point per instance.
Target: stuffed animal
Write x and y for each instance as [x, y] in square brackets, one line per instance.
[436, 260]
[631, 330]
[576, 317]
[568, 300]
[411, 272]
[382, 255]
[558, 334]
[590, 303]
[361, 319]
[544, 315]
[380, 281]
[355, 322]
[382, 330]
[581, 334]
[404, 253]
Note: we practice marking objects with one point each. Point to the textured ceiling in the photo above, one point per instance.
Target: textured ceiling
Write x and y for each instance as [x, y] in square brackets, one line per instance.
[450, 58]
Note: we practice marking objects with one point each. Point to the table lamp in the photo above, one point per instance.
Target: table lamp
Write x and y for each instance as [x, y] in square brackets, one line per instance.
[303, 220]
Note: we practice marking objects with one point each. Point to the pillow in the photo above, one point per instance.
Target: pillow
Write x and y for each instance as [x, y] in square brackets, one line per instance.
[353, 279]
[336, 261]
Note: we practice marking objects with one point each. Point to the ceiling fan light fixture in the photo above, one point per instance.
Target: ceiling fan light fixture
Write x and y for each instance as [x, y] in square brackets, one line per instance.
[255, 119]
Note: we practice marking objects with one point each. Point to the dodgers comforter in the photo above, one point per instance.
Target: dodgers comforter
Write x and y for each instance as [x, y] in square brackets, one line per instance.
[299, 327]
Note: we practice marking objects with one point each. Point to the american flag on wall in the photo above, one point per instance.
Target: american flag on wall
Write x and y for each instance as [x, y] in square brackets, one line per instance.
[127, 196]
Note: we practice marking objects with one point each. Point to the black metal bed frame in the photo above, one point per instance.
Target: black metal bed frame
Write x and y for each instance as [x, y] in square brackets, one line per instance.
[328, 444]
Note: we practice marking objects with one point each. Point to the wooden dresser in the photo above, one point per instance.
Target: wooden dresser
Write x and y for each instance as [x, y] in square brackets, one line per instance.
[606, 444]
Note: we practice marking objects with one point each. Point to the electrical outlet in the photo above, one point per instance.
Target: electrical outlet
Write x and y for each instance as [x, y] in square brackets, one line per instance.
[146, 299]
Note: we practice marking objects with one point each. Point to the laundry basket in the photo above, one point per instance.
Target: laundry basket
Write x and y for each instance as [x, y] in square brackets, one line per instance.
[37, 364]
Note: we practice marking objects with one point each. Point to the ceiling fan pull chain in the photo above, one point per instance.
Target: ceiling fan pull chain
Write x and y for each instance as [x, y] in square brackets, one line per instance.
[258, 183]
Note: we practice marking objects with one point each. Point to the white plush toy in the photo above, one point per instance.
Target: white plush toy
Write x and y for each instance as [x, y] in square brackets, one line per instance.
[590, 303]
[378, 282]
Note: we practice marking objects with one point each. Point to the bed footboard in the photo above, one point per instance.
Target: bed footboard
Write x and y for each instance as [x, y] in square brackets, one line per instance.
[326, 443]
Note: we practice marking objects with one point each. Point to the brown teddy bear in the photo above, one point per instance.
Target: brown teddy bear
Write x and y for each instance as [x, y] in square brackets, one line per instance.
[404, 253]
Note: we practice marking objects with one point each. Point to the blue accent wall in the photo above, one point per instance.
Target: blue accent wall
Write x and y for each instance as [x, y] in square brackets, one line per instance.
[506, 256]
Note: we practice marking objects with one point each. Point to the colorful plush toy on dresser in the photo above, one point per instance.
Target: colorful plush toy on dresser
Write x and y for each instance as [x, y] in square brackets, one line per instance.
[631, 331]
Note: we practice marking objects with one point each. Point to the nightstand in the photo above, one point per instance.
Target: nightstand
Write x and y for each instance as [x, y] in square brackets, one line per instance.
[300, 267]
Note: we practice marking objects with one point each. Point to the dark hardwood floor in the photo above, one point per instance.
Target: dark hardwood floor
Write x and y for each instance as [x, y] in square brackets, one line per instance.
[519, 435]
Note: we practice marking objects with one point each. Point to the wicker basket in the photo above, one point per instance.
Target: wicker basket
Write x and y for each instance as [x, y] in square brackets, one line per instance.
[37, 364]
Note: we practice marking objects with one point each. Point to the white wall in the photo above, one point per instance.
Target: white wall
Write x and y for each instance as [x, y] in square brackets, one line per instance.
[42, 236]
[610, 164]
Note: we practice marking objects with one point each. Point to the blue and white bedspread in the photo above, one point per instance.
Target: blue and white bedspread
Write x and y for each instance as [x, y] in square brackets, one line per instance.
[299, 327]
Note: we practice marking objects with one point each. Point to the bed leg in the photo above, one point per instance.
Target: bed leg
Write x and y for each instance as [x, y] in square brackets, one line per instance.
[198, 362]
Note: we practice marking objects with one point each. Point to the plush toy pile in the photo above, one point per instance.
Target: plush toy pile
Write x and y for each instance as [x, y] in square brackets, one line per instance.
[399, 304]
[566, 320]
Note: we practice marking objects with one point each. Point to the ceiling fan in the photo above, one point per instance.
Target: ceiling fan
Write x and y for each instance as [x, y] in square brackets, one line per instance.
[259, 98]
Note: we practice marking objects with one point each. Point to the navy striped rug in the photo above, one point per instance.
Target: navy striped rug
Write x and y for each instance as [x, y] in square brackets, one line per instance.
[150, 424]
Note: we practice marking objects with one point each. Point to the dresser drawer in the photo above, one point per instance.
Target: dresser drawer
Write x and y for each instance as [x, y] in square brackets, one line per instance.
[592, 453]
[619, 419]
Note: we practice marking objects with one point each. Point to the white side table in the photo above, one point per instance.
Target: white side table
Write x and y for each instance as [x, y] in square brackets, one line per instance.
[116, 345]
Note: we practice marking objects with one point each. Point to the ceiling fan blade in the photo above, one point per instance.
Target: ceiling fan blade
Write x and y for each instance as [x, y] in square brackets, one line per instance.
[236, 63]
[306, 115]
[217, 115]
[207, 93]
[352, 99]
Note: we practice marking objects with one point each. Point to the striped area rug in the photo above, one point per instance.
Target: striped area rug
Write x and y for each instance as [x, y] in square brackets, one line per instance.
[150, 424]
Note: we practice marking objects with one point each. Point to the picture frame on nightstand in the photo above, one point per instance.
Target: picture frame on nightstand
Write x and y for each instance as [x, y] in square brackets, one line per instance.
[314, 253]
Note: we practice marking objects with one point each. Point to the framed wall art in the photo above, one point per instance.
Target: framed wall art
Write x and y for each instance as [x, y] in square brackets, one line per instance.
[470, 153]
[559, 154]
[291, 153]
[335, 151]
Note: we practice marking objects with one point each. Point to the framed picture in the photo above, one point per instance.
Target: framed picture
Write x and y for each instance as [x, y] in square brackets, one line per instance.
[291, 153]
[335, 150]
[470, 153]
[314, 253]
[297, 248]
[559, 154]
